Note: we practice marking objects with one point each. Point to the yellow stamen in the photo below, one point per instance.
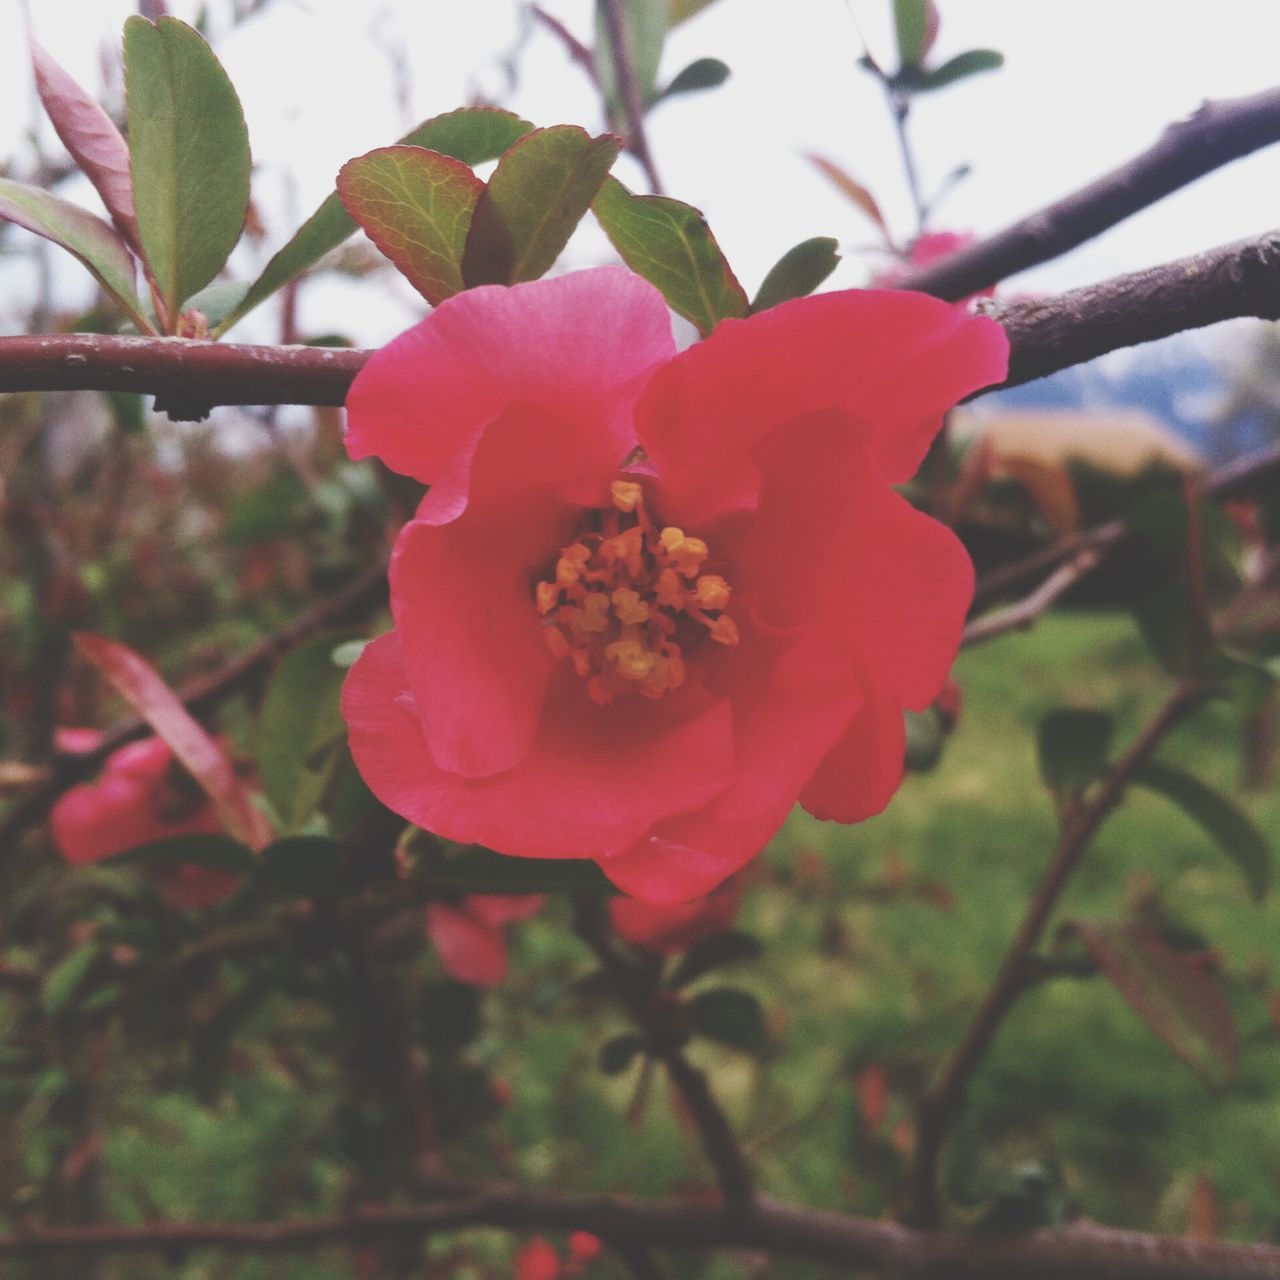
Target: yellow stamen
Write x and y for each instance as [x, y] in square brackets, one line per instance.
[625, 494]
[712, 591]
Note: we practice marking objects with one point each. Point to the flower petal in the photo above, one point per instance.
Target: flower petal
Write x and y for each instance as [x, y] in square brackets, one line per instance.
[791, 703]
[832, 540]
[504, 908]
[895, 361]
[580, 345]
[595, 779]
[860, 774]
[470, 950]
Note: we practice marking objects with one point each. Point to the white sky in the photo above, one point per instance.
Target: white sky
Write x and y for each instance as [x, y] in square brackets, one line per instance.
[1086, 85]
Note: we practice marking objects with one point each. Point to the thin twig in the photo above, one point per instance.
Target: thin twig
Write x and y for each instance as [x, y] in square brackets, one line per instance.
[940, 1105]
[577, 51]
[1213, 136]
[1027, 610]
[633, 106]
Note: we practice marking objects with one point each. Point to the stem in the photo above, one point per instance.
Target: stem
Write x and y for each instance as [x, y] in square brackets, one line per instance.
[633, 106]
[942, 1102]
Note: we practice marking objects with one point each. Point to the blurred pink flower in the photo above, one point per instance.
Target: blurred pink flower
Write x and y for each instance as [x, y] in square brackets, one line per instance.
[469, 935]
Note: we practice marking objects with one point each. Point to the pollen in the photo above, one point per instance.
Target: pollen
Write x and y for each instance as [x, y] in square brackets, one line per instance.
[627, 600]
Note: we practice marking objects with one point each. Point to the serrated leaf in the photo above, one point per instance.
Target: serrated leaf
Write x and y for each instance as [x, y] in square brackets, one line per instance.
[91, 137]
[731, 1017]
[188, 153]
[416, 206]
[299, 728]
[714, 952]
[81, 233]
[699, 75]
[1072, 746]
[473, 135]
[645, 29]
[538, 194]
[670, 245]
[616, 1055]
[483, 871]
[1220, 818]
[851, 188]
[798, 272]
[142, 686]
[970, 63]
[1169, 992]
[211, 851]
[66, 977]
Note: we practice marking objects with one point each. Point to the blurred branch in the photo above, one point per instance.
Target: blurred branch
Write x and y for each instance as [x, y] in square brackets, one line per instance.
[577, 51]
[624, 73]
[637, 989]
[1026, 611]
[1213, 136]
[942, 1102]
[1062, 1253]
[355, 599]
[1045, 335]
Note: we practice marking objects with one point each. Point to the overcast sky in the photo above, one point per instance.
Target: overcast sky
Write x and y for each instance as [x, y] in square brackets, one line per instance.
[1086, 85]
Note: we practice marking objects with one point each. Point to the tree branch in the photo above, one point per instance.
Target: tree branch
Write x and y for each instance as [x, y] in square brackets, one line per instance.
[1045, 335]
[624, 74]
[942, 1101]
[1213, 136]
[1062, 1253]
[1043, 598]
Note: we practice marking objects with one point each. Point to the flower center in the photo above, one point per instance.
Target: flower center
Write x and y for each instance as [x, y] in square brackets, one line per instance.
[626, 597]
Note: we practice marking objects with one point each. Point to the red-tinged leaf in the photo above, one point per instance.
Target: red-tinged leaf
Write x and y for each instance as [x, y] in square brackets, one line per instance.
[538, 194]
[1169, 992]
[142, 686]
[683, 10]
[850, 188]
[1051, 489]
[669, 243]
[84, 234]
[90, 135]
[416, 206]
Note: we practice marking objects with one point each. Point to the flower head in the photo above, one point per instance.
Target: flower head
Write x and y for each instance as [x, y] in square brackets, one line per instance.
[651, 598]
[141, 796]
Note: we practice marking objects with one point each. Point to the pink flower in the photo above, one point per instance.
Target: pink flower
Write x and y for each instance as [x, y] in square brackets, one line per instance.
[469, 934]
[538, 1260]
[666, 928]
[652, 599]
[139, 798]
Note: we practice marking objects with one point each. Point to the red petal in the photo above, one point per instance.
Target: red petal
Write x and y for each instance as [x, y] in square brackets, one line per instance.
[832, 541]
[859, 777]
[537, 1260]
[469, 950]
[895, 361]
[95, 820]
[791, 703]
[581, 346]
[596, 778]
[504, 908]
[675, 927]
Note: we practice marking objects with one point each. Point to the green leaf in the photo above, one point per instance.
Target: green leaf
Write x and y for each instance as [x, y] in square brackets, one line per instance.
[344, 655]
[1218, 815]
[534, 201]
[473, 135]
[730, 1017]
[616, 1055]
[299, 729]
[798, 272]
[272, 509]
[216, 301]
[299, 867]
[645, 25]
[482, 871]
[714, 952]
[416, 206]
[1169, 992]
[81, 233]
[1072, 745]
[910, 23]
[701, 74]
[682, 10]
[670, 244]
[970, 63]
[66, 977]
[925, 740]
[188, 154]
[211, 851]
